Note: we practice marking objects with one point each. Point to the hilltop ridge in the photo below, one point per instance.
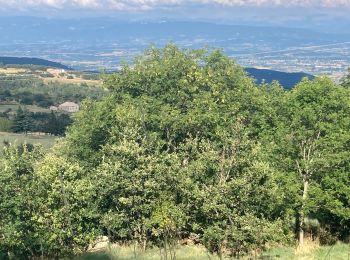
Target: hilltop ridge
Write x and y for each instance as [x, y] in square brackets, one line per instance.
[287, 79]
[32, 61]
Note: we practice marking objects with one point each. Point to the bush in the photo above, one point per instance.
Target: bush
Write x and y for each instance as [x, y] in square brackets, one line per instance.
[27, 100]
[47, 75]
[5, 124]
[327, 238]
[45, 103]
[95, 76]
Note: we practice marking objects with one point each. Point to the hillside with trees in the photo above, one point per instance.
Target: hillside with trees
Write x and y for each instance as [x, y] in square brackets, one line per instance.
[31, 61]
[185, 148]
[287, 79]
[28, 91]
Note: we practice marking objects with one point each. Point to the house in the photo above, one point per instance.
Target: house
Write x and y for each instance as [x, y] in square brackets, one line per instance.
[70, 107]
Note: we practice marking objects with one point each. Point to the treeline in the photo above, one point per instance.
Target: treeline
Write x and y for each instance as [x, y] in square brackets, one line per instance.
[30, 90]
[27, 98]
[31, 67]
[185, 147]
[24, 121]
[31, 62]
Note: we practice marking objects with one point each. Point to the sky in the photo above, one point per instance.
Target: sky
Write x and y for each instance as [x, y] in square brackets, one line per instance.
[301, 13]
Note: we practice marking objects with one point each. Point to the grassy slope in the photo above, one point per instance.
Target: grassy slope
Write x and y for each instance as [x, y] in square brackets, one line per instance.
[46, 141]
[337, 252]
[127, 253]
[14, 107]
[313, 252]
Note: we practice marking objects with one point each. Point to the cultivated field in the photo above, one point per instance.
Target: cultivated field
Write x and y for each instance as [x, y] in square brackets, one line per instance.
[56, 75]
[68, 78]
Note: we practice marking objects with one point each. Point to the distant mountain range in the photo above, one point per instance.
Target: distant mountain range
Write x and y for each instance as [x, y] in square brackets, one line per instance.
[35, 29]
[31, 61]
[286, 79]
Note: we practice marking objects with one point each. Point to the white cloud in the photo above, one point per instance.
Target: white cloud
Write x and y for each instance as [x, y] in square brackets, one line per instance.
[152, 4]
[322, 3]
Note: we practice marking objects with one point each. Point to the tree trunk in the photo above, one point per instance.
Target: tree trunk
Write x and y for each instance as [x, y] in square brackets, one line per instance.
[165, 247]
[302, 213]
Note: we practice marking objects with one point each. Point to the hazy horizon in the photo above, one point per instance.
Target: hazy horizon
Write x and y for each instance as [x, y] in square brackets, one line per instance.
[310, 36]
[325, 15]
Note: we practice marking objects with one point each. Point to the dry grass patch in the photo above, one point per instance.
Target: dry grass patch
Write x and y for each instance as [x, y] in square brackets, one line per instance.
[12, 71]
[61, 77]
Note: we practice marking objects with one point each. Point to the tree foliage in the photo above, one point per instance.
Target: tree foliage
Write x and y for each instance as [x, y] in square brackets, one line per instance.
[185, 146]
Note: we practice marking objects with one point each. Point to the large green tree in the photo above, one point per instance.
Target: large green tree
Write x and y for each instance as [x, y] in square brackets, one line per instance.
[22, 123]
[180, 128]
[18, 203]
[311, 144]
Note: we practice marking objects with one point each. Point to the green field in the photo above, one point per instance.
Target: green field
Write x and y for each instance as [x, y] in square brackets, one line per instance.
[336, 252]
[46, 141]
[126, 253]
[14, 107]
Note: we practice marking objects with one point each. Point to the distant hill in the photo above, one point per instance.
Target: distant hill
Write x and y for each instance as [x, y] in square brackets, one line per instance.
[31, 61]
[286, 79]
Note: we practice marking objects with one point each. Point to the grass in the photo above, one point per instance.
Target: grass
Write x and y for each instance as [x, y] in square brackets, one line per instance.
[312, 252]
[46, 141]
[14, 107]
[37, 109]
[10, 71]
[4, 107]
[73, 81]
[337, 252]
[65, 80]
[127, 253]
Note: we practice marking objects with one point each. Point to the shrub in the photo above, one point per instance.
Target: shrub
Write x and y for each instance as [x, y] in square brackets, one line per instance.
[5, 124]
[326, 237]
